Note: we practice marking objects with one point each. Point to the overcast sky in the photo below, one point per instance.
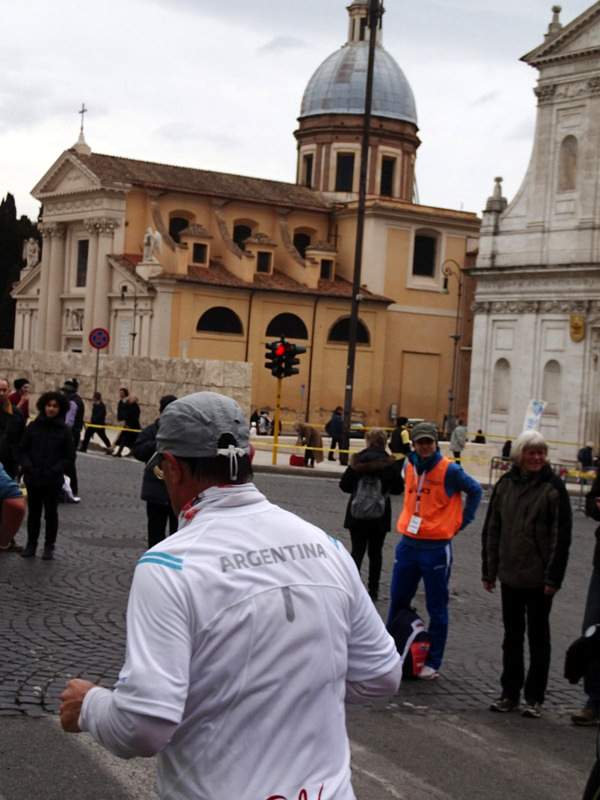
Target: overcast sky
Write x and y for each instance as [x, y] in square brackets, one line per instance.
[218, 85]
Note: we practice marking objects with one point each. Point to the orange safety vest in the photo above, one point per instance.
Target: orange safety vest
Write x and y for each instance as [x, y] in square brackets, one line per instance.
[441, 516]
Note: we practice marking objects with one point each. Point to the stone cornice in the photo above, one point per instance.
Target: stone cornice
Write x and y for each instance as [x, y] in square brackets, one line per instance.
[568, 90]
[51, 230]
[101, 224]
[573, 306]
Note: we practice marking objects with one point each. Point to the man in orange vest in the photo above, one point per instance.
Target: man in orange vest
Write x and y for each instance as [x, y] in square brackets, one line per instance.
[433, 514]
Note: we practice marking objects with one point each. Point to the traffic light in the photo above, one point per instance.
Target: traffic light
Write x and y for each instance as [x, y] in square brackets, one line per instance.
[281, 358]
[290, 360]
[274, 356]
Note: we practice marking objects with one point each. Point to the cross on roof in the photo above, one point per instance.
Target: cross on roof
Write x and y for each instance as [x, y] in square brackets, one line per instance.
[82, 112]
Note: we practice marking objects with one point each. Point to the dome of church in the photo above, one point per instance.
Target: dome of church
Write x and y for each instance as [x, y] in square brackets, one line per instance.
[339, 85]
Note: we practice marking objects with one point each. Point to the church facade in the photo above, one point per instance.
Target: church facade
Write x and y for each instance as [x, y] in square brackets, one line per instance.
[187, 263]
[537, 301]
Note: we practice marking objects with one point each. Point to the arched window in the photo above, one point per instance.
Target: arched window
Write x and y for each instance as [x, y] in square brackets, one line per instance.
[551, 387]
[301, 242]
[176, 225]
[288, 325]
[341, 332]
[219, 319]
[567, 164]
[240, 234]
[501, 386]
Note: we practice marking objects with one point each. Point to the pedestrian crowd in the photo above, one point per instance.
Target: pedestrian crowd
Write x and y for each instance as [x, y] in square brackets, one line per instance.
[229, 616]
[38, 452]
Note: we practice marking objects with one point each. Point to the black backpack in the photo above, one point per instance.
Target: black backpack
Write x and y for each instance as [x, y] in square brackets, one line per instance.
[412, 641]
[368, 501]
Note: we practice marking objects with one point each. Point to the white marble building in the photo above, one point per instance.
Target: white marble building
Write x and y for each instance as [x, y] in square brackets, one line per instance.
[537, 300]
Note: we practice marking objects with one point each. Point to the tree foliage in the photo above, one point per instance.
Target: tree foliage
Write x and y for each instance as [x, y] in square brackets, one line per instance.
[13, 233]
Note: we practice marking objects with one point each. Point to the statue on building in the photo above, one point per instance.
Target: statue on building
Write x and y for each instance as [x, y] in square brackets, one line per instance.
[31, 252]
[152, 242]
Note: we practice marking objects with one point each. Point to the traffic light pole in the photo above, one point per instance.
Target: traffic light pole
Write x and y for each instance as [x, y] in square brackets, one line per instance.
[276, 422]
[375, 12]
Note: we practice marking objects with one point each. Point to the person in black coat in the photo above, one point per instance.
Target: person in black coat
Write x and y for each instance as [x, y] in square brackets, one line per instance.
[369, 535]
[46, 452]
[154, 491]
[131, 423]
[98, 418]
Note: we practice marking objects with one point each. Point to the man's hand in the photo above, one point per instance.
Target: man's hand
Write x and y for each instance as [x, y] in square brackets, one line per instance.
[72, 699]
[489, 586]
[550, 590]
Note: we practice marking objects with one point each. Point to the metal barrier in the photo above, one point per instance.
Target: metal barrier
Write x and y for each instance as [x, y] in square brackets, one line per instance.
[569, 474]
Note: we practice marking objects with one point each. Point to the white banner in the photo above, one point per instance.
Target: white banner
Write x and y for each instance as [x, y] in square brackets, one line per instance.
[534, 412]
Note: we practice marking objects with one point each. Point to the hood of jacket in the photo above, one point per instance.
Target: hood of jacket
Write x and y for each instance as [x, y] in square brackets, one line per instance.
[372, 459]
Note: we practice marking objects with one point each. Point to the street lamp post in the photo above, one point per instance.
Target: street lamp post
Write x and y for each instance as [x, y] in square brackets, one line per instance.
[447, 271]
[133, 332]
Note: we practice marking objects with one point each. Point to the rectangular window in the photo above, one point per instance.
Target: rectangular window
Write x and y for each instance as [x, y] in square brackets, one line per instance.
[83, 248]
[307, 170]
[345, 172]
[424, 257]
[326, 269]
[387, 176]
[199, 253]
[263, 262]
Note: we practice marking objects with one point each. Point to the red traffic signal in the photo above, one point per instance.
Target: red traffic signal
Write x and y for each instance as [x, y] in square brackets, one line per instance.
[281, 358]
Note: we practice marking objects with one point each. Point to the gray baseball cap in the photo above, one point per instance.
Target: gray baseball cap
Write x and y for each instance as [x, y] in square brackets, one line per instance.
[191, 427]
[424, 430]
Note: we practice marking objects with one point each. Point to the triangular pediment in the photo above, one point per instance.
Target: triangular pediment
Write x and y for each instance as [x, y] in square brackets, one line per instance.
[579, 39]
[66, 176]
[28, 285]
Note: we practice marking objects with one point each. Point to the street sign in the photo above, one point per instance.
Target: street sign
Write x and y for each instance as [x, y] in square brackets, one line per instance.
[99, 338]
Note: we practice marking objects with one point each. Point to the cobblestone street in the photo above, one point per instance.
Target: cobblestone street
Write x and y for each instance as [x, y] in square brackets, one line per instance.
[66, 617]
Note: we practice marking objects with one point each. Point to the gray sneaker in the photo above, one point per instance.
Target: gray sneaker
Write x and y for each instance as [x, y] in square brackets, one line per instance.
[532, 710]
[504, 704]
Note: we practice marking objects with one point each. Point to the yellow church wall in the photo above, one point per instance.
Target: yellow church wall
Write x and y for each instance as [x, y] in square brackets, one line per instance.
[418, 363]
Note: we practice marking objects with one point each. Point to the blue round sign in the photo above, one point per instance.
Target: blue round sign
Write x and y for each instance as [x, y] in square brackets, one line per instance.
[99, 338]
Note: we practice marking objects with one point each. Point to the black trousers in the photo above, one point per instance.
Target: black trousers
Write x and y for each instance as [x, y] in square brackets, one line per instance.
[334, 442]
[370, 541]
[158, 515]
[42, 498]
[89, 432]
[525, 609]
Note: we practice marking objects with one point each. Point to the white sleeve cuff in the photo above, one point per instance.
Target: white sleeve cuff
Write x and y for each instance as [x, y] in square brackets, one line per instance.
[125, 733]
[382, 686]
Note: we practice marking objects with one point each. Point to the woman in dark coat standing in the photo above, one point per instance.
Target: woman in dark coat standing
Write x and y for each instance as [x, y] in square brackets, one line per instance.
[46, 453]
[369, 535]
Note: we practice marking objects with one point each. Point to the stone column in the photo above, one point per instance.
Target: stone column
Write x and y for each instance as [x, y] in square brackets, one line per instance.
[98, 276]
[52, 280]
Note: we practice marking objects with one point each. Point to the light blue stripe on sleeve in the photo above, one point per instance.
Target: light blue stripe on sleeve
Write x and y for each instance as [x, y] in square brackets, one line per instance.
[152, 558]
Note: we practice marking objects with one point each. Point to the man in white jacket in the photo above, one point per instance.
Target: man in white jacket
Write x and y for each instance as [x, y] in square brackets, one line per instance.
[247, 630]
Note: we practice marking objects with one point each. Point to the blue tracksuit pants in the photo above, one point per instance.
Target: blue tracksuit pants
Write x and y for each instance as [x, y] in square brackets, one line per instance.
[433, 563]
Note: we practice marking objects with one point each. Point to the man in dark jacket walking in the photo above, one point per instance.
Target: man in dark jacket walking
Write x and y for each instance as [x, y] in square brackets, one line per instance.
[154, 491]
[97, 421]
[335, 429]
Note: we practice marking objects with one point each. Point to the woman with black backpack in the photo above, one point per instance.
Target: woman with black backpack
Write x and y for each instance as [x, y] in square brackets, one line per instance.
[372, 476]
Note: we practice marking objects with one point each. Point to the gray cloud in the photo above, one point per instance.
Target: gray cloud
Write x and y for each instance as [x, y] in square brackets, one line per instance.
[484, 99]
[281, 44]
